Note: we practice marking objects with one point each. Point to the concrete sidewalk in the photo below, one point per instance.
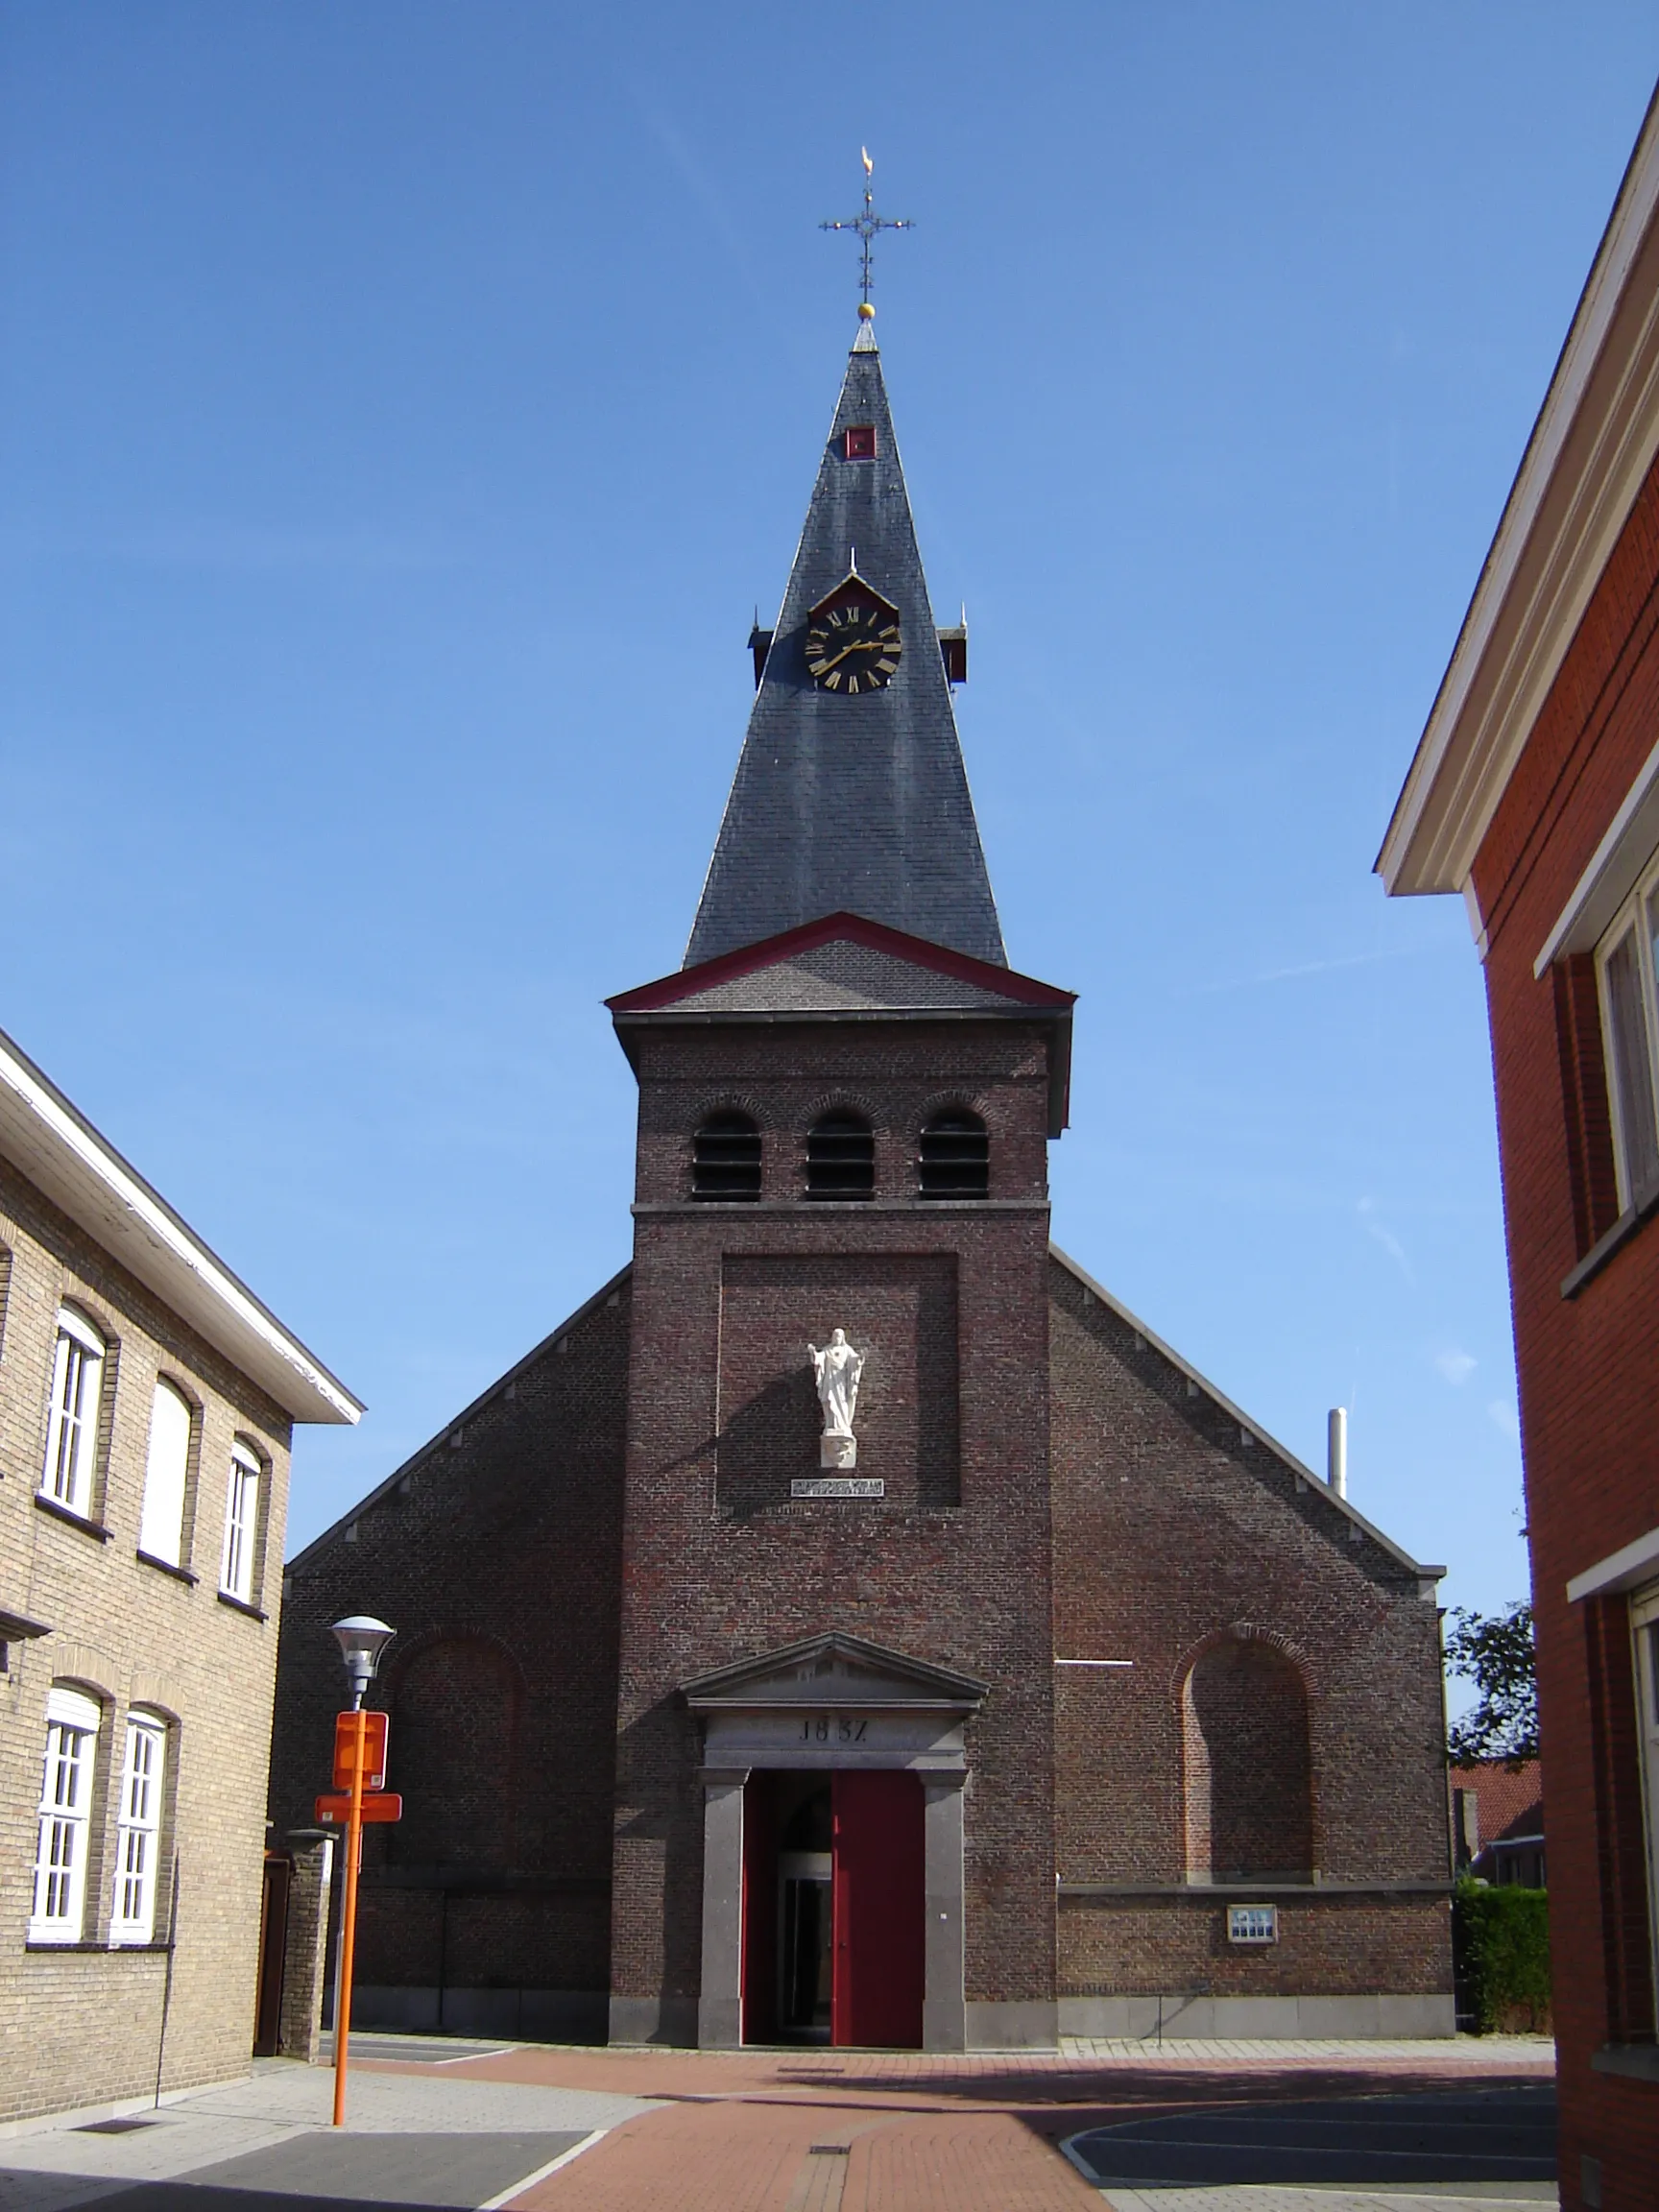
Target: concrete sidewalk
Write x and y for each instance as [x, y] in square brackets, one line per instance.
[413, 2138]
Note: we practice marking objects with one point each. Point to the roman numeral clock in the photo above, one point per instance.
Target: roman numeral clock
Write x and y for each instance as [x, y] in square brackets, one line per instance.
[852, 640]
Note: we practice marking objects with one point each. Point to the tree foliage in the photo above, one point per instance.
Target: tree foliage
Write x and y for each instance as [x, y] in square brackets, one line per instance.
[1494, 1651]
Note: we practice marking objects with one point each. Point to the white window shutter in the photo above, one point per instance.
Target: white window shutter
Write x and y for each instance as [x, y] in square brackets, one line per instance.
[161, 1524]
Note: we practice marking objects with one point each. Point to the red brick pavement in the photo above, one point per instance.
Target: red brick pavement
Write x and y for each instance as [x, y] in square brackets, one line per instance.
[852, 2131]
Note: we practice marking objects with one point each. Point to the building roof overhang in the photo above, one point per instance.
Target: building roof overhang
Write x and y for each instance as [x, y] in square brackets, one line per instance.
[704, 994]
[47, 1140]
[1585, 463]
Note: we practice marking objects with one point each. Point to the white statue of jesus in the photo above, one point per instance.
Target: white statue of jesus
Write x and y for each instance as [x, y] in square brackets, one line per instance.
[836, 1370]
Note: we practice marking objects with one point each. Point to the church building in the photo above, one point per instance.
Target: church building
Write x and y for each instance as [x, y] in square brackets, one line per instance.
[852, 1625]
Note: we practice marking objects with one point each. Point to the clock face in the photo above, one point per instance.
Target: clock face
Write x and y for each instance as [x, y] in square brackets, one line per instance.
[853, 646]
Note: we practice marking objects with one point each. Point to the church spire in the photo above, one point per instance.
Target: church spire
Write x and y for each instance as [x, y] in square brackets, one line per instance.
[851, 795]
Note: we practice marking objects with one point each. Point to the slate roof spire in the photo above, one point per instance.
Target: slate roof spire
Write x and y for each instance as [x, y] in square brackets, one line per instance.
[853, 804]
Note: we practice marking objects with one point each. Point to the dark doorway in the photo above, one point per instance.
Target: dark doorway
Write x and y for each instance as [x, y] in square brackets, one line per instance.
[273, 1953]
[805, 1948]
[832, 1908]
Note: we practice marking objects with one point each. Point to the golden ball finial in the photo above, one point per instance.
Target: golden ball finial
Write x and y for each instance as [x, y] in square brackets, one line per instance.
[865, 311]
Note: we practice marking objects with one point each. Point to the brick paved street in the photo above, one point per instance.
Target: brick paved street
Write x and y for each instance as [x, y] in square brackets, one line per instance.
[848, 2132]
[657, 2130]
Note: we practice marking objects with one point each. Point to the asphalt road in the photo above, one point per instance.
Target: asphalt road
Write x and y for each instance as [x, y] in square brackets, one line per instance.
[1494, 2143]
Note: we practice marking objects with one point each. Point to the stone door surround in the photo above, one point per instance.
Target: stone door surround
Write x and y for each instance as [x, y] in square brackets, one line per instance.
[834, 1700]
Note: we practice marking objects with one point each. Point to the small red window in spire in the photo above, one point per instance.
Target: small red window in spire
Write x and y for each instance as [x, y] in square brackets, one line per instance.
[859, 442]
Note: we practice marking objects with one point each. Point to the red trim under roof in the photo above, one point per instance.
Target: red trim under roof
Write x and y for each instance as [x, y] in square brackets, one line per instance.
[1019, 990]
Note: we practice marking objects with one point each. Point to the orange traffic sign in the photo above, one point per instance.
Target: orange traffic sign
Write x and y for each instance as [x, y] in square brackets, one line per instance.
[375, 1734]
[378, 1805]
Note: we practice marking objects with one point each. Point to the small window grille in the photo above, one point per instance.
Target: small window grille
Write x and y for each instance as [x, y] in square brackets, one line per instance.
[725, 1158]
[955, 1157]
[1252, 1923]
[840, 1157]
[859, 444]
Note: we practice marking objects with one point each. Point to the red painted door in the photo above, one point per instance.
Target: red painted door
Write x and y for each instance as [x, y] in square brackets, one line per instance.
[759, 1968]
[879, 1905]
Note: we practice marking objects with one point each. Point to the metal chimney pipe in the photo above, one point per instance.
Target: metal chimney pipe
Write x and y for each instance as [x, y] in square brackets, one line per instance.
[1337, 1449]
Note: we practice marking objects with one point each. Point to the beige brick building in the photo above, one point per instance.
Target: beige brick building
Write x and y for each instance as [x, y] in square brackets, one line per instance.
[147, 1402]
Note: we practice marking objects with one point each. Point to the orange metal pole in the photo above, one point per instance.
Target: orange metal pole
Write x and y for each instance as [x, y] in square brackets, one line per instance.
[349, 1923]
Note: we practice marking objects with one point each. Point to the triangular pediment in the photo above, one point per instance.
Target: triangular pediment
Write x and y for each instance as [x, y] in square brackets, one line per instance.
[834, 1668]
[843, 964]
[851, 584]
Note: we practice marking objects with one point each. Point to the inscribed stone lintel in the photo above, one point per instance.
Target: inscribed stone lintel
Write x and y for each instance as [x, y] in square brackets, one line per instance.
[839, 1486]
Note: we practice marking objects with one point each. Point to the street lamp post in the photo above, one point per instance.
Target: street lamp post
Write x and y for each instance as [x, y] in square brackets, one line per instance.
[361, 1639]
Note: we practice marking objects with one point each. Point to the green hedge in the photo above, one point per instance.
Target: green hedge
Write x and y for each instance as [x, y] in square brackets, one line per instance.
[1500, 1954]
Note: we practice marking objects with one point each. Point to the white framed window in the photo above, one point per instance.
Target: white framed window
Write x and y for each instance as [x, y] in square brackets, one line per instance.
[1626, 971]
[1645, 1630]
[64, 1837]
[241, 1526]
[139, 1831]
[1252, 1923]
[167, 1472]
[72, 1428]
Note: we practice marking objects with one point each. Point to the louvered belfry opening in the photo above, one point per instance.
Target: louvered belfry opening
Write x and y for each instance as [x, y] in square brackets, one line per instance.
[725, 1158]
[955, 1157]
[840, 1157]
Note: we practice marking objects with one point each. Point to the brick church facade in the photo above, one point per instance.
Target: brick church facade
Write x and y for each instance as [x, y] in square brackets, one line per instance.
[1045, 1693]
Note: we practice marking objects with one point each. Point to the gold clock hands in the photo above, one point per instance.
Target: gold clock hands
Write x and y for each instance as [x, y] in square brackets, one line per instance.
[859, 645]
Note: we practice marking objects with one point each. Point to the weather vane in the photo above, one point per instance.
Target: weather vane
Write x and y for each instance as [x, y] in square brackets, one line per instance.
[869, 225]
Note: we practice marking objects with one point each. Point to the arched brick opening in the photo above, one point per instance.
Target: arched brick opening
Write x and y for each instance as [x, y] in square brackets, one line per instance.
[1248, 1765]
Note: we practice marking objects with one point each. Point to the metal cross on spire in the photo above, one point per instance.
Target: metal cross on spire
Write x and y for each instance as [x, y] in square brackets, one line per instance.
[869, 225]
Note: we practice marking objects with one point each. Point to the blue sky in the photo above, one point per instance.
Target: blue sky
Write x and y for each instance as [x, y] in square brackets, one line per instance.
[403, 409]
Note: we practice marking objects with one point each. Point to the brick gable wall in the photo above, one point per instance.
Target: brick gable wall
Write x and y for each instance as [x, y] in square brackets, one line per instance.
[1171, 1534]
[496, 1554]
[506, 1568]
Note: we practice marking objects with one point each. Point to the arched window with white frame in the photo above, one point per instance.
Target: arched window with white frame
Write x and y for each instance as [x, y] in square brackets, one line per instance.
[241, 1526]
[166, 1476]
[138, 1830]
[64, 1839]
[72, 1427]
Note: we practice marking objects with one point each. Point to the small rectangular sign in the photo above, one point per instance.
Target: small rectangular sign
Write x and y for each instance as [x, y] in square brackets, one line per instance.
[374, 1750]
[335, 1811]
[839, 1486]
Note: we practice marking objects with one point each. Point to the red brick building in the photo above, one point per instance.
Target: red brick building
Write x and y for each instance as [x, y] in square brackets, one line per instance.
[1498, 1822]
[883, 1636]
[1536, 793]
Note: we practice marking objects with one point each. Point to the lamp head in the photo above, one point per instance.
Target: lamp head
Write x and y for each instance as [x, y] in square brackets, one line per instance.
[361, 1639]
